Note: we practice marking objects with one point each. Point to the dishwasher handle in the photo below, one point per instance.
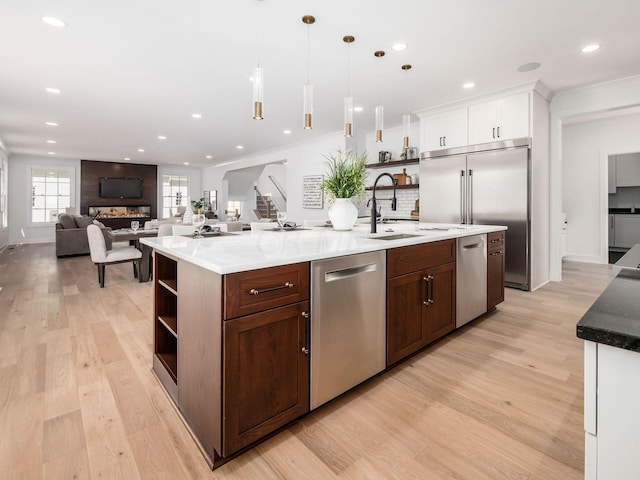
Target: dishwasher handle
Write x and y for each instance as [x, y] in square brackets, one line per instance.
[473, 245]
[349, 272]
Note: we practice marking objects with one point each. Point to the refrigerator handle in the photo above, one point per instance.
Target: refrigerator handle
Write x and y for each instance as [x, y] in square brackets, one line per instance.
[470, 197]
[462, 197]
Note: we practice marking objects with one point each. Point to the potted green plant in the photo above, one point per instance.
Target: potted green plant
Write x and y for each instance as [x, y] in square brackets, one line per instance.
[198, 205]
[344, 181]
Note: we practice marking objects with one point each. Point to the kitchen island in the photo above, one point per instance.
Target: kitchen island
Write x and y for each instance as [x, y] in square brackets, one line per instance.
[611, 333]
[233, 322]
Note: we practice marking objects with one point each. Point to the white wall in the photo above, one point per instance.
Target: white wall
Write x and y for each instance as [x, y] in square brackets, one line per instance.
[21, 231]
[586, 147]
[4, 231]
[20, 228]
[304, 158]
[608, 97]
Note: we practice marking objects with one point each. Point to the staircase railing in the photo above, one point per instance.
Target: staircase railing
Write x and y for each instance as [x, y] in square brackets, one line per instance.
[267, 201]
[275, 183]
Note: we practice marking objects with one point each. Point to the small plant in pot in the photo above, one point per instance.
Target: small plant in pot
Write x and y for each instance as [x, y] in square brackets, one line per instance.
[198, 205]
[345, 180]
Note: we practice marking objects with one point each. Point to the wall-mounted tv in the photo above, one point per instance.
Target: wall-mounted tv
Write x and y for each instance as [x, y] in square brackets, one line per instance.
[120, 187]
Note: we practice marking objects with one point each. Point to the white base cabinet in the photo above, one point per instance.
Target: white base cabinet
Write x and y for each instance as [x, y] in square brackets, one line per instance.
[626, 230]
[612, 422]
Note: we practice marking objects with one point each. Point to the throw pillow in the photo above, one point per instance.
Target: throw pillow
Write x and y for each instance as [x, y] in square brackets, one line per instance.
[83, 222]
[99, 223]
[67, 221]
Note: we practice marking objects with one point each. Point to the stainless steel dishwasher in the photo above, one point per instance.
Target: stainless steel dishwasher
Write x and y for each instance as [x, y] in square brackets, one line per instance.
[471, 278]
[348, 323]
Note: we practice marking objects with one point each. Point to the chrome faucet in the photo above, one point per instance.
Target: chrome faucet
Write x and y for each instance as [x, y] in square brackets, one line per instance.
[373, 199]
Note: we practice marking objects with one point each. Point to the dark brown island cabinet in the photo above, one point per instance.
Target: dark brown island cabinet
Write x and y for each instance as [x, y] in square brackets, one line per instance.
[233, 351]
[495, 269]
[421, 296]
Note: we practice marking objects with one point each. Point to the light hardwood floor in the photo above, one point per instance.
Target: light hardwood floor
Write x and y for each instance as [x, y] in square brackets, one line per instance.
[500, 398]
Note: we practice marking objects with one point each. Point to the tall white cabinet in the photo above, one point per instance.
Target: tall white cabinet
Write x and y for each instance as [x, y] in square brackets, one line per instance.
[522, 111]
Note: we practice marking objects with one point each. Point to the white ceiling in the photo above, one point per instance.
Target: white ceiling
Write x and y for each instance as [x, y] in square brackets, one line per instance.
[132, 70]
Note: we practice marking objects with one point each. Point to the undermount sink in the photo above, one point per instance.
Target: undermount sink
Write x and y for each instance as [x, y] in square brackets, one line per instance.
[397, 236]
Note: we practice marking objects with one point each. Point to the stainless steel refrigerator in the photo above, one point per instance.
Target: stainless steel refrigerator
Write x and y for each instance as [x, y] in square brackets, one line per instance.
[486, 184]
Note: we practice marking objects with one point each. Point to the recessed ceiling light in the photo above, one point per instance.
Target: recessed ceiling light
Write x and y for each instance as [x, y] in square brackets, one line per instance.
[357, 109]
[51, 141]
[239, 147]
[161, 137]
[209, 157]
[591, 48]
[51, 124]
[126, 158]
[196, 115]
[54, 22]
[398, 47]
[186, 163]
[287, 132]
[141, 150]
[51, 153]
[52, 90]
[528, 67]
[468, 85]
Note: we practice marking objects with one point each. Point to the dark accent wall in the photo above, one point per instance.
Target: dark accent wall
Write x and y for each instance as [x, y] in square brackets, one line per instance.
[91, 171]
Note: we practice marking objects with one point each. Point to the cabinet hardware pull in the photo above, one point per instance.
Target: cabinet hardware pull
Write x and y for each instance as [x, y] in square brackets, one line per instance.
[496, 240]
[444, 141]
[430, 298]
[307, 333]
[426, 291]
[494, 132]
[498, 132]
[255, 291]
[499, 252]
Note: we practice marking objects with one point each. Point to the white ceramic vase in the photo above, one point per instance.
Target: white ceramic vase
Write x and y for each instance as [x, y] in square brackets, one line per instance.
[343, 214]
[187, 218]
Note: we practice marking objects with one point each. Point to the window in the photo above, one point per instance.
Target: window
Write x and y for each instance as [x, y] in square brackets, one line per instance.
[175, 191]
[234, 209]
[51, 190]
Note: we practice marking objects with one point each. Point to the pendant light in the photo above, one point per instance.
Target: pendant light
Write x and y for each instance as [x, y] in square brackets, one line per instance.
[307, 92]
[258, 80]
[406, 118]
[348, 100]
[379, 107]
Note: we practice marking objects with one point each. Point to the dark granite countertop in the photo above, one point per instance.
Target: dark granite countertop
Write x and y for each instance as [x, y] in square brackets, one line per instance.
[625, 210]
[614, 318]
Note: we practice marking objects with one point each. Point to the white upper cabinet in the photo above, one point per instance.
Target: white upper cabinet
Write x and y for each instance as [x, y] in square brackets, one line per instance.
[444, 130]
[500, 119]
[627, 170]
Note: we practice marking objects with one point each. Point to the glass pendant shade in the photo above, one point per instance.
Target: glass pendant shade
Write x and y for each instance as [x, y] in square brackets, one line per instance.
[406, 127]
[258, 83]
[379, 122]
[348, 116]
[307, 106]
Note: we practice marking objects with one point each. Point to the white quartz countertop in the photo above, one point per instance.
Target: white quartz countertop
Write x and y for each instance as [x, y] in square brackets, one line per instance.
[265, 248]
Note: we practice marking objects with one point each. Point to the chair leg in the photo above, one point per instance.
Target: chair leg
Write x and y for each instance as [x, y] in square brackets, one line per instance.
[135, 269]
[101, 274]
